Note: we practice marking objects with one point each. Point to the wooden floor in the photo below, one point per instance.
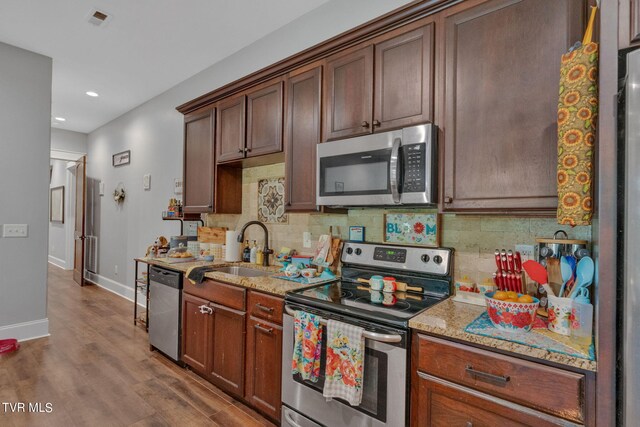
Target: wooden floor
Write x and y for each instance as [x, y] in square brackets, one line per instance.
[96, 370]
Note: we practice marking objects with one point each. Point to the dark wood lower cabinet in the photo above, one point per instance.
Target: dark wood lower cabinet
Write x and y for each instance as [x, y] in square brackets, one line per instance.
[446, 404]
[195, 333]
[263, 370]
[226, 367]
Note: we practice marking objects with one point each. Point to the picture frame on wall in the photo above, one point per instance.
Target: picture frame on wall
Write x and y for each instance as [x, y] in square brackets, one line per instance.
[416, 229]
[56, 205]
[122, 158]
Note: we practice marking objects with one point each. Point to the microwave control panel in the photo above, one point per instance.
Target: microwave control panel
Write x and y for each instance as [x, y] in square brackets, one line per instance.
[414, 164]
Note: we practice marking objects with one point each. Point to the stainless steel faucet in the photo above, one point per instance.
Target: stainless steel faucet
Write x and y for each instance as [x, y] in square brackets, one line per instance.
[266, 251]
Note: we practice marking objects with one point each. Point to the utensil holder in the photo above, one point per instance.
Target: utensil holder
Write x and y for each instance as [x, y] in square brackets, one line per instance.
[560, 312]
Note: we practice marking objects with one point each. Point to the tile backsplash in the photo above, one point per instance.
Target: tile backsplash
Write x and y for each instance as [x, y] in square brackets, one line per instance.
[474, 237]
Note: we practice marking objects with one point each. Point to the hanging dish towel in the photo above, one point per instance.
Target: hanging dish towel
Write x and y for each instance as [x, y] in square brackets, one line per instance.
[577, 112]
[345, 362]
[307, 346]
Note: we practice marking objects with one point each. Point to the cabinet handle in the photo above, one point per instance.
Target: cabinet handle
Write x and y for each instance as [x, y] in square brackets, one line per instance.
[247, 150]
[491, 377]
[365, 124]
[204, 309]
[448, 199]
[240, 150]
[469, 424]
[264, 308]
[263, 329]
[376, 123]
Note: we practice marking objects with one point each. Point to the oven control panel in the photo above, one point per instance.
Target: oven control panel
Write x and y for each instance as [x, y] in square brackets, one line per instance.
[436, 261]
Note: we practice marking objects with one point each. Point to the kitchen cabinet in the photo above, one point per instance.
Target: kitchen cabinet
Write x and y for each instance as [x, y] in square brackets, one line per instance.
[226, 367]
[196, 326]
[199, 162]
[499, 132]
[454, 384]
[381, 86]
[629, 24]
[302, 135]
[264, 366]
[230, 132]
[250, 124]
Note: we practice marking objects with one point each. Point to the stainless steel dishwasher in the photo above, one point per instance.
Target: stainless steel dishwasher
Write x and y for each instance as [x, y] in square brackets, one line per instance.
[165, 309]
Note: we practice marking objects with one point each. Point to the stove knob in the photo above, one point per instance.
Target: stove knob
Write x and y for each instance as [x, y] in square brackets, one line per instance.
[358, 251]
[349, 251]
[437, 259]
[425, 258]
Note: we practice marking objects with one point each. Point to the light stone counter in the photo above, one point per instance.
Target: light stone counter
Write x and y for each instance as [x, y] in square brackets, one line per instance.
[449, 319]
[266, 284]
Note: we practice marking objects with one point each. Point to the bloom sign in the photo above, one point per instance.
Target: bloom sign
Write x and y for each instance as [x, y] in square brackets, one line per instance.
[412, 229]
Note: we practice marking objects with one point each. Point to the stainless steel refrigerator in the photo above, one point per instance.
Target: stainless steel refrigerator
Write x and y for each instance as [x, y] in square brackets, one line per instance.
[630, 341]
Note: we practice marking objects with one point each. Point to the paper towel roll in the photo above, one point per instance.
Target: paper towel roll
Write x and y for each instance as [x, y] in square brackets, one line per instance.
[233, 247]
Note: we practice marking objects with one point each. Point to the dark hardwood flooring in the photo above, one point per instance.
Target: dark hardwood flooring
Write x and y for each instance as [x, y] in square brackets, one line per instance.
[96, 370]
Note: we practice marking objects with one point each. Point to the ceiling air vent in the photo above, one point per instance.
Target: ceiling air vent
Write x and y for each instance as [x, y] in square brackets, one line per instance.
[98, 18]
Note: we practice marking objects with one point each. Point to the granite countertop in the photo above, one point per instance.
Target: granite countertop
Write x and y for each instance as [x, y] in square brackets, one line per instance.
[450, 318]
[266, 284]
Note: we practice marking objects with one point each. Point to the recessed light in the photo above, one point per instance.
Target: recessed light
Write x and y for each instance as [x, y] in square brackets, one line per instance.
[91, 93]
[60, 119]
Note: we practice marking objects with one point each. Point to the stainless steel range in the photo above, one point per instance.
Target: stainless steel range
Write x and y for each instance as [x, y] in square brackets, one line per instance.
[385, 320]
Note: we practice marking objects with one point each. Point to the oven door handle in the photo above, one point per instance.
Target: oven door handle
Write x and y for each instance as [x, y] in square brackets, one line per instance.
[394, 170]
[289, 419]
[375, 336]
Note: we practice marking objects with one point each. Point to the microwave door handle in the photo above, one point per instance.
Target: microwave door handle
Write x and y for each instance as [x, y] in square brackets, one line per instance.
[394, 170]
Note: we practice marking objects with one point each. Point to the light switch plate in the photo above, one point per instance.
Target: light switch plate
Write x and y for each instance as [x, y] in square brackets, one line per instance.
[101, 188]
[15, 230]
[306, 239]
[146, 181]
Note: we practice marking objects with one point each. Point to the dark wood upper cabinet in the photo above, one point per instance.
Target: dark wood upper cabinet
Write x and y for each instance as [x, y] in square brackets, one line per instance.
[264, 120]
[635, 22]
[349, 94]
[263, 369]
[404, 79]
[195, 333]
[302, 135]
[628, 23]
[501, 74]
[226, 369]
[230, 132]
[199, 162]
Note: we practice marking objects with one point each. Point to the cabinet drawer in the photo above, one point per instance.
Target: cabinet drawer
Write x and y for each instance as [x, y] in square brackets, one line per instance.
[265, 307]
[221, 293]
[547, 389]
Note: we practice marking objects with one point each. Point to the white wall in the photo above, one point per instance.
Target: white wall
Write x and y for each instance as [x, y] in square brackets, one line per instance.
[25, 85]
[153, 133]
[61, 235]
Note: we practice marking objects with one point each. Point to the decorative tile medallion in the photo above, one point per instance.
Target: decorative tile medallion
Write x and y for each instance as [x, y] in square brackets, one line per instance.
[271, 201]
[412, 229]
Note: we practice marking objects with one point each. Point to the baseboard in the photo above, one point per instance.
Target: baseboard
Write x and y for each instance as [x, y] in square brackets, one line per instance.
[114, 287]
[58, 262]
[26, 331]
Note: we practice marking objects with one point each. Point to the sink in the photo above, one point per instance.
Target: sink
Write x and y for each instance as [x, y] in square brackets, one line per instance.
[243, 271]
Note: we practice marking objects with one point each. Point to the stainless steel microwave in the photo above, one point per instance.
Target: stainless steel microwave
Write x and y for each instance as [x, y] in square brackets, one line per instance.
[382, 169]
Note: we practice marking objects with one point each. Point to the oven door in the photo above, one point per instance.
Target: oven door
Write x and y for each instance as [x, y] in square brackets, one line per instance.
[384, 385]
[363, 171]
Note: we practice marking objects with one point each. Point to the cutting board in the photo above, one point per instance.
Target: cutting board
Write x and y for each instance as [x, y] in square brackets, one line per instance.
[212, 234]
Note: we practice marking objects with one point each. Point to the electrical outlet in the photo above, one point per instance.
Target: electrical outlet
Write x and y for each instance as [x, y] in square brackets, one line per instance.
[115, 269]
[15, 230]
[306, 239]
[527, 252]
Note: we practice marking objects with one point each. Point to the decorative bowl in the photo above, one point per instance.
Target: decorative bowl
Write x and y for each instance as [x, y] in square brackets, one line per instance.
[511, 316]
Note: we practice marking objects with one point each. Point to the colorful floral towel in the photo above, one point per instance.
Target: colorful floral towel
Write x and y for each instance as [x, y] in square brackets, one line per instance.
[345, 362]
[577, 113]
[307, 346]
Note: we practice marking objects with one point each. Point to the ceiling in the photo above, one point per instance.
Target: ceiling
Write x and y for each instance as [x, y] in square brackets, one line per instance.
[144, 48]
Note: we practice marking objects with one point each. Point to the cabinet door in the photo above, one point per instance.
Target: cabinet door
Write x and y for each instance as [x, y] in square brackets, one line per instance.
[440, 403]
[348, 95]
[264, 361]
[501, 100]
[195, 332]
[199, 162]
[264, 120]
[230, 131]
[635, 22]
[404, 80]
[226, 353]
[302, 134]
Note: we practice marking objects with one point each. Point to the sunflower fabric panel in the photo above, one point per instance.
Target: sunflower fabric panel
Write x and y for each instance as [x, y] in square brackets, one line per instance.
[307, 346]
[577, 113]
[345, 362]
